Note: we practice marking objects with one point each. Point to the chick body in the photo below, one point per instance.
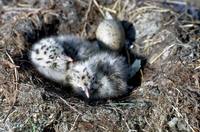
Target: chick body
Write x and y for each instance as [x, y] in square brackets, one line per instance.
[102, 76]
[51, 56]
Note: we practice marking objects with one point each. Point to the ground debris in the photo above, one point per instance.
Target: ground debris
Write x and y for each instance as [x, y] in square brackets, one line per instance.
[166, 100]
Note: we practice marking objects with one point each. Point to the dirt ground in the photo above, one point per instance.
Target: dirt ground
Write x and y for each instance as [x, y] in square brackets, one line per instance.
[167, 35]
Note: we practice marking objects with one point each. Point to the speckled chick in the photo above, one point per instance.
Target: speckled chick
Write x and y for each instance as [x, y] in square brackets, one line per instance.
[51, 56]
[102, 76]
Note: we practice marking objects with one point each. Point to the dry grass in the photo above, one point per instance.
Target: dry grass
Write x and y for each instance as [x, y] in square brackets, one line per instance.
[167, 100]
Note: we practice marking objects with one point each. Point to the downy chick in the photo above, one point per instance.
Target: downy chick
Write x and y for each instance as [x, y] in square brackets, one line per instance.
[102, 76]
[51, 56]
[74, 62]
[49, 59]
[77, 48]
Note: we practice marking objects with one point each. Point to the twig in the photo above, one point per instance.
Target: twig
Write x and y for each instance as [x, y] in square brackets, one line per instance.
[10, 111]
[180, 115]
[152, 60]
[105, 129]
[98, 6]
[108, 9]
[23, 5]
[16, 72]
[198, 67]
[6, 8]
[147, 122]
[188, 26]
[72, 128]
[88, 10]
[69, 105]
[116, 4]
[176, 2]
[86, 17]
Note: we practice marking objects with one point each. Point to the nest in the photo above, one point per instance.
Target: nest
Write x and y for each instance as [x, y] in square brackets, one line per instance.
[167, 99]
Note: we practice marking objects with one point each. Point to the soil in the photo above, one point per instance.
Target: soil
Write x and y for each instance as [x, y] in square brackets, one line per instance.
[166, 99]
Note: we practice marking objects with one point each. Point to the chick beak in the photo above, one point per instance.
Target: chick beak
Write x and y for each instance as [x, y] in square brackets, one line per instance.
[66, 58]
[86, 92]
[69, 59]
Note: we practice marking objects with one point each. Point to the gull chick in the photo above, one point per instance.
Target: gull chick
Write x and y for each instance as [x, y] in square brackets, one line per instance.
[51, 56]
[72, 61]
[102, 76]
